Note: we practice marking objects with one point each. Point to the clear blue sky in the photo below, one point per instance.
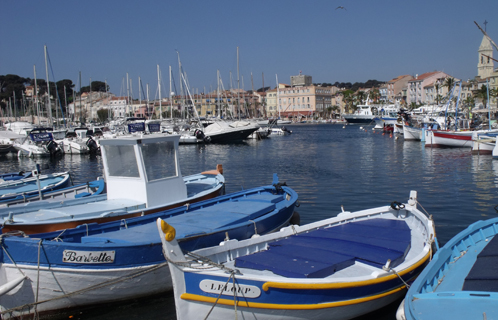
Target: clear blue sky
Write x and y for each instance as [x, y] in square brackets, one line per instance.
[369, 40]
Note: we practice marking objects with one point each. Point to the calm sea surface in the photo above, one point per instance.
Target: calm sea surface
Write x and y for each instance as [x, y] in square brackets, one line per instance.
[328, 166]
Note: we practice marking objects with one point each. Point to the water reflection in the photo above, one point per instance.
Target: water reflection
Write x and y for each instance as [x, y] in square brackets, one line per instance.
[329, 166]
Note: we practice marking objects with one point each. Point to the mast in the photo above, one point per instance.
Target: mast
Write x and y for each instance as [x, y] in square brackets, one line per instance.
[489, 109]
[107, 97]
[49, 108]
[81, 109]
[139, 93]
[264, 96]
[238, 85]
[218, 93]
[127, 94]
[147, 89]
[15, 109]
[65, 99]
[36, 97]
[91, 104]
[159, 88]
[181, 83]
[170, 95]
[278, 97]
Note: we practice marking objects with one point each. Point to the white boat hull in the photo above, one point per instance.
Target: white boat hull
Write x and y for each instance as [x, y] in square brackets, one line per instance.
[73, 147]
[411, 133]
[483, 144]
[337, 313]
[122, 284]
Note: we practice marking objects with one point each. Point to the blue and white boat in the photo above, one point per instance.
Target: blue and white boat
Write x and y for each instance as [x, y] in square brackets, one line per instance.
[38, 143]
[461, 281]
[387, 116]
[83, 190]
[337, 268]
[14, 176]
[36, 184]
[142, 175]
[121, 260]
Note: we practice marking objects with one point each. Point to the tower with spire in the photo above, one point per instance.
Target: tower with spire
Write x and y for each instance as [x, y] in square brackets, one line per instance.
[485, 65]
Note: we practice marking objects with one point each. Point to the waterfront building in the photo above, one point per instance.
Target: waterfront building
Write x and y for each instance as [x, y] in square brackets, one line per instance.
[416, 86]
[304, 99]
[395, 92]
[271, 102]
[383, 93]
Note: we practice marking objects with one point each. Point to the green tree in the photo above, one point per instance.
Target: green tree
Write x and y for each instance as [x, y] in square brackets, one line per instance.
[97, 86]
[9, 84]
[348, 100]
[102, 115]
[482, 94]
[69, 85]
[449, 83]
[360, 97]
[375, 95]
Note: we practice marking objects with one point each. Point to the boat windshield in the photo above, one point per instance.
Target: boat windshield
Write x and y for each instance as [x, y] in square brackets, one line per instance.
[159, 160]
[121, 161]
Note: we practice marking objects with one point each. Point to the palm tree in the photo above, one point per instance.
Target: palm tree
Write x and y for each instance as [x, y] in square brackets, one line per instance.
[360, 97]
[449, 83]
[375, 94]
[482, 94]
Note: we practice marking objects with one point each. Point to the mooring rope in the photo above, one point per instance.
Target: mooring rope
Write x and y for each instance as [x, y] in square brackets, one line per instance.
[94, 287]
[219, 296]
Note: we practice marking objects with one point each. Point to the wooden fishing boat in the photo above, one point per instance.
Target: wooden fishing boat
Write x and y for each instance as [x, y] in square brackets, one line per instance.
[15, 176]
[38, 183]
[121, 260]
[337, 268]
[82, 190]
[483, 143]
[142, 175]
[461, 281]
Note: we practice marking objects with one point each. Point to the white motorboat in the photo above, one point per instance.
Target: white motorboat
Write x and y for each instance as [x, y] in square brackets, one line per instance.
[221, 131]
[38, 143]
[75, 141]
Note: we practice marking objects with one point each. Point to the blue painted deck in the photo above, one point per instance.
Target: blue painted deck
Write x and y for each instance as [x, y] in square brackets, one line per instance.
[199, 222]
[320, 253]
[484, 274]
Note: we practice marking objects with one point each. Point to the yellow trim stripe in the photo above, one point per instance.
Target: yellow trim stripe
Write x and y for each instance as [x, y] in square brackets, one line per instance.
[340, 285]
[228, 302]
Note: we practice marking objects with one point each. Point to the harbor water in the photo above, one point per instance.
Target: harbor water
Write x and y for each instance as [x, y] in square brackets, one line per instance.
[329, 166]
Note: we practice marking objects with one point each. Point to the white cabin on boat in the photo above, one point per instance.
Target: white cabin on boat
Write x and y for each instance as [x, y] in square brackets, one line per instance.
[143, 168]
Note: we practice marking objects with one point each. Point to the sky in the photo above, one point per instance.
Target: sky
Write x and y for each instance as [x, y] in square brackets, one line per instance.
[108, 40]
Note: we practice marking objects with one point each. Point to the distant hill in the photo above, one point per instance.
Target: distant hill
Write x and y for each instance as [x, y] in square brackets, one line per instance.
[355, 86]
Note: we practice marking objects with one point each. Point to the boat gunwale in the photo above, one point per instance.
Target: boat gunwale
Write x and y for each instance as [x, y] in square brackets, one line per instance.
[232, 247]
[435, 269]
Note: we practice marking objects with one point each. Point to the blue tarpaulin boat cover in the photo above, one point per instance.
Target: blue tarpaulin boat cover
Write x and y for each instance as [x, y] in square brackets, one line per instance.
[322, 252]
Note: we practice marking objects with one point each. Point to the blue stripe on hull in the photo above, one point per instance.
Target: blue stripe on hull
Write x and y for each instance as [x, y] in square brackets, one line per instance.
[137, 242]
[279, 296]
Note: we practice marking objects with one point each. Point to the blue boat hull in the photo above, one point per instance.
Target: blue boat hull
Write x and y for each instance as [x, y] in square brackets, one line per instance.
[461, 281]
[128, 254]
[29, 186]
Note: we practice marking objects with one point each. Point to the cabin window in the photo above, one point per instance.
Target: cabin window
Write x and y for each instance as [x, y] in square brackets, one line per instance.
[159, 160]
[121, 161]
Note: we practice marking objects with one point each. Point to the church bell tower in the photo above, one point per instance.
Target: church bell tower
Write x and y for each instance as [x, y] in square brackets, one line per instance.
[485, 65]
